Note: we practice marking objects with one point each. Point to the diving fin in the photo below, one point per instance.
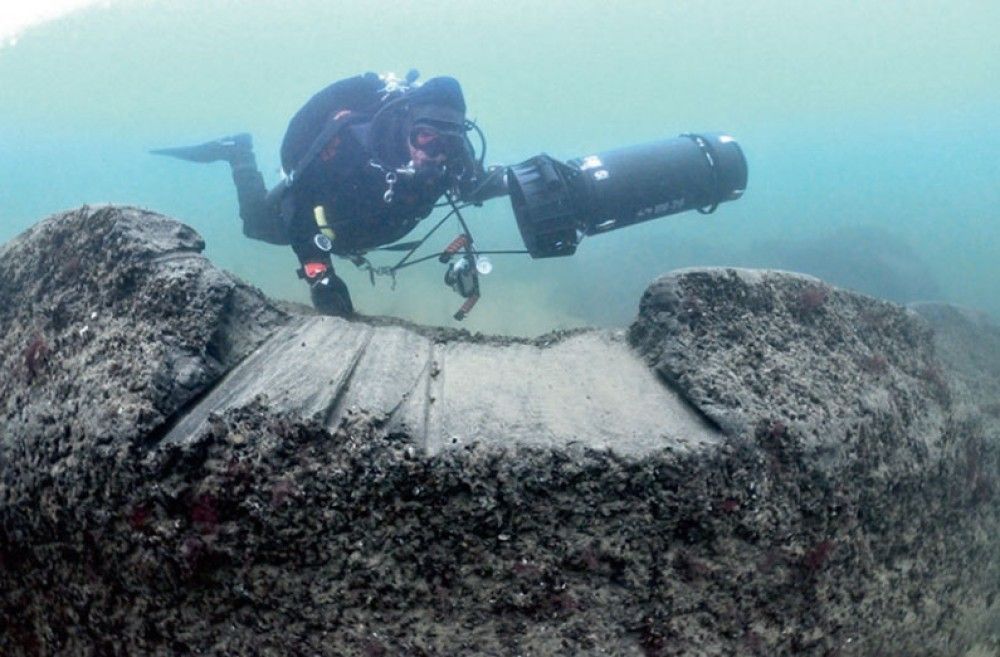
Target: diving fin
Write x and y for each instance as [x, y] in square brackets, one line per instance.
[229, 149]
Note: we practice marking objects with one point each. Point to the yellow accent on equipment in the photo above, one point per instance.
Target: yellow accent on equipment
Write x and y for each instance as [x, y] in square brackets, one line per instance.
[320, 214]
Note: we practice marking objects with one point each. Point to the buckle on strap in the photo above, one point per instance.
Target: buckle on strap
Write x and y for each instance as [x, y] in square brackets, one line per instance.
[311, 270]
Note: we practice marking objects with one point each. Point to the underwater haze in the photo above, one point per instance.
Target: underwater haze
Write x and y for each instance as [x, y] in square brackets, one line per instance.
[871, 130]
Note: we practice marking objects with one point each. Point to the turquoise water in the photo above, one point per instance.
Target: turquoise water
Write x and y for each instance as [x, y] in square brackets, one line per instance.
[872, 131]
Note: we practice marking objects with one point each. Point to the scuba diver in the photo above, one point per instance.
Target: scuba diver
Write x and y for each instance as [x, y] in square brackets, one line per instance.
[364, 160]
[368, 157]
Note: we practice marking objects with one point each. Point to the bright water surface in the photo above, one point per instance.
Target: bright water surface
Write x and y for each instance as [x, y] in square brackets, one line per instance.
[872, 130]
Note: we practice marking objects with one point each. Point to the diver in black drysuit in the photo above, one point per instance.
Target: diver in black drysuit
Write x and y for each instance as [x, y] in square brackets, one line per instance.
[368, 160]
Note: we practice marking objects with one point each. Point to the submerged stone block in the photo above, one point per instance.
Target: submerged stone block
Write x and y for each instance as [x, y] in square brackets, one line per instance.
[762, 464]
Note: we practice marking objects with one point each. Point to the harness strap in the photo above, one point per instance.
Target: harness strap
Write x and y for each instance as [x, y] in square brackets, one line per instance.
[277, 197]
[331, 130]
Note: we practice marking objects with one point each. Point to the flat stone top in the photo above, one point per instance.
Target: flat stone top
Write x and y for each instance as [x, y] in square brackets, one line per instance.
[589, 390]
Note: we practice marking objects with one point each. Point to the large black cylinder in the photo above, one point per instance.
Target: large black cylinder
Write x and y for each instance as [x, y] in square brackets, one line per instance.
[557, 204]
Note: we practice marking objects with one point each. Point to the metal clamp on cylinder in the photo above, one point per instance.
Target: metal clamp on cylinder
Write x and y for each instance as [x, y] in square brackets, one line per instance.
[707, 149]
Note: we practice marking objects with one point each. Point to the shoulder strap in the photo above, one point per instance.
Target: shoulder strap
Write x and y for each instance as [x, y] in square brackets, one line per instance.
[361, 93]
[331, 130]
[277, 197]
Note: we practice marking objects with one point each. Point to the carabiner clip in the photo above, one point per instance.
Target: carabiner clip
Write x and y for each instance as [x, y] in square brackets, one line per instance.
[390, 181]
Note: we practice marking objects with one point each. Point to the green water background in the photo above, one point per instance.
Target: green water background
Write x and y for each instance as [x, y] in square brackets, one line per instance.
[870, 127]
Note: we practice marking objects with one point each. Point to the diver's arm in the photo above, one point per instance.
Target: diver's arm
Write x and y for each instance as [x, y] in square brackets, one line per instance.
[491, 183]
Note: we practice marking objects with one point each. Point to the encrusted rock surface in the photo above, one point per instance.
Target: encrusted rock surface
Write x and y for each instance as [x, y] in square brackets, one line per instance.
[813, 472]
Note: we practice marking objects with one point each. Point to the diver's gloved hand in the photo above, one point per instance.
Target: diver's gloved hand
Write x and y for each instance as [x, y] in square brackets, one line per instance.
[232, 149]
[487, 184]
[328, 292]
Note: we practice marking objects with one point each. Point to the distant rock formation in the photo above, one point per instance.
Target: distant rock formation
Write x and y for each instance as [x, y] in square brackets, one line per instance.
[761, 465]
[866, 259]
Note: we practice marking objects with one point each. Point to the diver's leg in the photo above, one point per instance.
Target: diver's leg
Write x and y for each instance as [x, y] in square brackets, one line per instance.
[328, 292]
[261, 220]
